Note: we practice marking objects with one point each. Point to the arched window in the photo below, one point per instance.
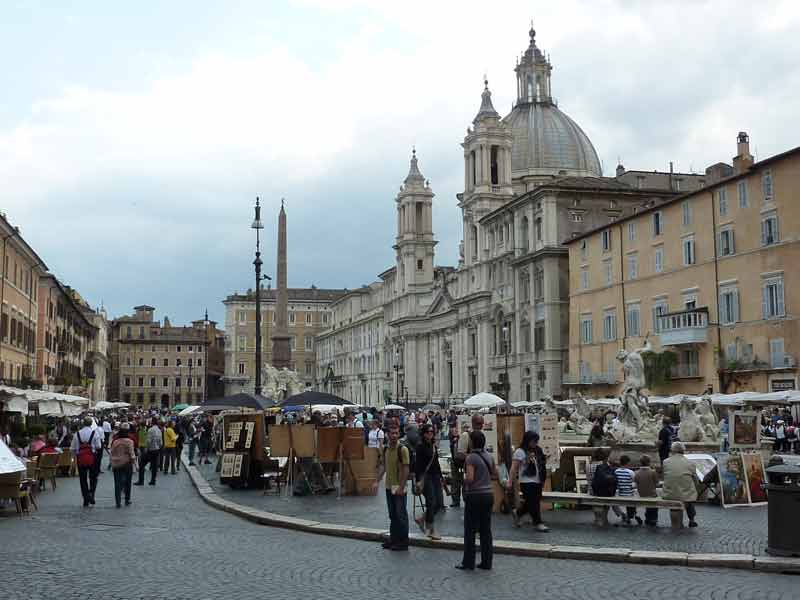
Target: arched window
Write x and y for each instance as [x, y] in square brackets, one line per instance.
[530, 89]
[524, 240]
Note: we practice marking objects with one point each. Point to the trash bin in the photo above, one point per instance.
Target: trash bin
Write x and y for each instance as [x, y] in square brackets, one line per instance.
[783, 499]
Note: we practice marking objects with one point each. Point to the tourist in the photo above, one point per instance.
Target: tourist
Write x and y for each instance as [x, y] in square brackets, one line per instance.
[206, 433]
[625, 488]
[193, 433]
[665, 439]
[479, 471]
[51, 446]
[123, 457]
[376, 436]
[86, 444]
[351, 421]
[170, 442]
[456, 466]
[596, 434]
[781, 443]
[36, 445]
[395, 466]
[602, 482]
[528, 464]
[646, 480]
[180, 430]
[155, 442]
[428, 480]
[680, 480]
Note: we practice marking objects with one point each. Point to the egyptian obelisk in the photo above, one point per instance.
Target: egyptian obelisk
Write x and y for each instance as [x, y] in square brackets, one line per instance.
[281, 351]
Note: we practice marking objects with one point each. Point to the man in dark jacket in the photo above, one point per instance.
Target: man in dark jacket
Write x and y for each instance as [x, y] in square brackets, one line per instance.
[665, 440]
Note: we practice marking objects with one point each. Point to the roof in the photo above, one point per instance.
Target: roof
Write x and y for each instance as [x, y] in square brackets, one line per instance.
[16, 233]
[65, 290]
[312, 294]
[707, 188]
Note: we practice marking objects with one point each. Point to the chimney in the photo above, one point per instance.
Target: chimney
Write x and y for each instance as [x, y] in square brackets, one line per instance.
[743, 159]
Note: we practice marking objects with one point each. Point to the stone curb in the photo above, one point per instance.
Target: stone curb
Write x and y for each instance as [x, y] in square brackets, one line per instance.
[770, 564]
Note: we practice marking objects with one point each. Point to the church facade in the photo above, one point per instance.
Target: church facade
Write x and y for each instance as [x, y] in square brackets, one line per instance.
[498, 321]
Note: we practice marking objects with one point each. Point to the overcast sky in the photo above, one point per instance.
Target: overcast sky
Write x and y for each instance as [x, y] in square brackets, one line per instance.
[134, 137]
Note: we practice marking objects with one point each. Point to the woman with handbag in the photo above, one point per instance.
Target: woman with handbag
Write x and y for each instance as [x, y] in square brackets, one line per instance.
[123, 457]
[428, 481]
[529, 466]
[479, 472]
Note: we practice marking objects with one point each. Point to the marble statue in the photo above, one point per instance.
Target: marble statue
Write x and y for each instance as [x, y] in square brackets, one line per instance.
[698, 421]
[280, 383]
[633, 423]
[580, 418]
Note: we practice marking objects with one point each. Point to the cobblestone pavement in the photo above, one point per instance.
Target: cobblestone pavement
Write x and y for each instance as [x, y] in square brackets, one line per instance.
[169, 544]
[721, 531]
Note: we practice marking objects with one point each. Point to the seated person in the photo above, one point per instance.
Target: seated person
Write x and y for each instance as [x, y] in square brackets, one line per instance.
[36, 446]
[51, 447]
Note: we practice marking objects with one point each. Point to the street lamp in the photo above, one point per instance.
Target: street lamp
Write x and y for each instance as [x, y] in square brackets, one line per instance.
[258, 225]
[397, 374]
[506, 386]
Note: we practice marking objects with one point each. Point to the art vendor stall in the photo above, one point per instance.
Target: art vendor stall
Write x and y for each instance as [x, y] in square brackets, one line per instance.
[242, 460]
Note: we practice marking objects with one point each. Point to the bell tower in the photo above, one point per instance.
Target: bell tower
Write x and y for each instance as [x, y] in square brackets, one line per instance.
[414, 244]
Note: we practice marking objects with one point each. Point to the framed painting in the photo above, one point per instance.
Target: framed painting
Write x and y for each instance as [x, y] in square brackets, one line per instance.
[732, 479]
[745, 430]
[754, 472]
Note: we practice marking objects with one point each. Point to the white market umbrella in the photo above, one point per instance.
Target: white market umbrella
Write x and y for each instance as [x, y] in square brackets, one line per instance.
[394, 407]
[484, 400]
[524, 404]
[189, 410]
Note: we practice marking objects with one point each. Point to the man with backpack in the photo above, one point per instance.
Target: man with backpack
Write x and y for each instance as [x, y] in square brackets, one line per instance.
[395, 466]
[603, 483]
[86, 444]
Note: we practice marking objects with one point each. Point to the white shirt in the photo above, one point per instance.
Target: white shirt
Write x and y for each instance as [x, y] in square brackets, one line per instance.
[376, 437]
[355, 425]
[106, 427]
[83, 436]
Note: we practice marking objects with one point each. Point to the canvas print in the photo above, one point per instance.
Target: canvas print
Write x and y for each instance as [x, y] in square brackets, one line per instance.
[733, 482]
[583, 487]
[581, 466]
[745, 430]
[754, 471]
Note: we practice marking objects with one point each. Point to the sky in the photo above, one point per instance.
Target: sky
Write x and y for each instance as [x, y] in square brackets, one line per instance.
[135, 137]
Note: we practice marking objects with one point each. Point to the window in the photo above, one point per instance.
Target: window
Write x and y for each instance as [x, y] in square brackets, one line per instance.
[525, 332]
[128, 331]
[741, 191]
[308, 318]
[165, 382]
[586, 329]
[689, 257]
[141, 361]
[658, 223]
[606, 240]
[309, 343]
[199, 362]
[659, 310]
[152, 382]
[177, 348]
[127, 382]
[13, 329]
[188, 382]
[152, 362]
[178, 362]
[583, 250]
[769, 230]
[538, 335]
[500, 235]
[632, 320]
[241, 316]
[658, 259]
[607, 272]
[726, 242]
[687, 213]
[728, 305]
[584, 279]
[325, 318]
[777, 358]
[242, 343]
[766, 185]
[632, 231]
[609, 326]
[166, 362]
[309, 368]
[772, 298]
[538, 229]
[419, 264]
[177, 382]
[678, 184]
[722, 201]
[291, 317]
[633, 265]
[141, 381]
[292, 343]
[190, 362]
[538, 283]
[191, 348]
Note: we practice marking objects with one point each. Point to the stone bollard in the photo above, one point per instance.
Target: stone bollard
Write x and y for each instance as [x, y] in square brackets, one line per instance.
[676, 519]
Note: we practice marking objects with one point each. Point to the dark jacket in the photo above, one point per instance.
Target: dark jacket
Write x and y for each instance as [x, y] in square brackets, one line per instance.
[540, 464]
[426, 454]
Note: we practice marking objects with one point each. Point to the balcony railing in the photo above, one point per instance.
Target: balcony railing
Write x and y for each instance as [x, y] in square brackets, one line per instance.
[590, 379]
[685, 327]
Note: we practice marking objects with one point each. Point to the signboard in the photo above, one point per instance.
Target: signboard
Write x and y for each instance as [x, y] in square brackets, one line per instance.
[781, 385]
[234, 465]
[546, 425]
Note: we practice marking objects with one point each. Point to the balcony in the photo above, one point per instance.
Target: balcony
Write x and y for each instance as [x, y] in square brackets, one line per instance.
[589, 379]
[685, 327]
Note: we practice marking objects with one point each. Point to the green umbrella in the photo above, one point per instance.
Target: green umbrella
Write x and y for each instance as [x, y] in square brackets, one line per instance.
[180, 406]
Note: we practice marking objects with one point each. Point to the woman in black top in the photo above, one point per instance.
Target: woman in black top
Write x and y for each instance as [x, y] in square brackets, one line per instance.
[428, 481]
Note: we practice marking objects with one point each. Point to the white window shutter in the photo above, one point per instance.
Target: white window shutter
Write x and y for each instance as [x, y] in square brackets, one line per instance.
[733, 245]
[763, 232]
[735, 306]
[723, 316]
[765, 301]
[779, 294]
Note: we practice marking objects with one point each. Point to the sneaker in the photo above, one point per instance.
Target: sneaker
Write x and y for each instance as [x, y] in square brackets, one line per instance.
[515, 518]
[692, 523]
[191, 464]
[542, 527]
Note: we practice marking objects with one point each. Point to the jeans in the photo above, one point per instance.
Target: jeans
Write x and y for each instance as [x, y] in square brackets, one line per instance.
[531, 501]
[477, 517]
[178, 452]
[122, 483]
[192, 446]
[457, 476]
[651, 516]
[398, 519]
[88, 480]
[690, 511]
[432, 490]
[152, 457]
[169, 460]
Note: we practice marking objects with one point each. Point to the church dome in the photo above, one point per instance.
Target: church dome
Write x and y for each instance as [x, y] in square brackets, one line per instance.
[546, 141]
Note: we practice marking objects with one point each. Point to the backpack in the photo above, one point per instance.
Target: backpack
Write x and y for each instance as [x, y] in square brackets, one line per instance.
[85, 456]
[604, 482]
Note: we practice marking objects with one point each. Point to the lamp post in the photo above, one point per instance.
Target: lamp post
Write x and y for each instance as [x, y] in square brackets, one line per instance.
[258, 225]
[397, 374]
[506, 386]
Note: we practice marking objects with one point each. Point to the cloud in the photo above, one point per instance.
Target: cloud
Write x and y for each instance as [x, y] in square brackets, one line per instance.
[144, 194]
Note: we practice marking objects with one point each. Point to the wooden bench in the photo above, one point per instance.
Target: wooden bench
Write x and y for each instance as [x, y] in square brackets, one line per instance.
[589, 500]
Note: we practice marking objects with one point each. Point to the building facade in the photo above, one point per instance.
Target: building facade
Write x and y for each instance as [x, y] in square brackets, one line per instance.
[706, 275]
[64, 340]
[498, 321]
[155, 365]
[308, 314]
[19, 297]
